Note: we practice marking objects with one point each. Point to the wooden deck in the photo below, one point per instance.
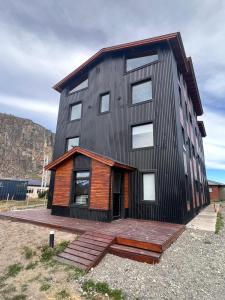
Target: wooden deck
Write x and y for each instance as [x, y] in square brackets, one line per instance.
[135, 239]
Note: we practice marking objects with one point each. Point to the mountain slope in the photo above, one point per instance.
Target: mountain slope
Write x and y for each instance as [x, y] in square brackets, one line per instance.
[22, 147]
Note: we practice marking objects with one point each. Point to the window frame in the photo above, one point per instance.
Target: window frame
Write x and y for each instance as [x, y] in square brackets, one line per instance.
[73, 187]
[137, 82]
[71, 137]
[71, 88]
[137, 55]
[100, 102]
[70, 111]
[148, 202]
[131, 135]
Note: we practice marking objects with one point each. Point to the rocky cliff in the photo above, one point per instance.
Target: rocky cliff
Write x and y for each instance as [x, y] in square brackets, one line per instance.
[23, 146]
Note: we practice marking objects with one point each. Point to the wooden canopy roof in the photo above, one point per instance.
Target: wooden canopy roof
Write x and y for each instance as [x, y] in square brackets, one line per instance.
[103, 159]
[176, 44]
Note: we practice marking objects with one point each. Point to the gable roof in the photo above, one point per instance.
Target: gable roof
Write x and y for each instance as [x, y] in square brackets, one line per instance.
[103, 159]
[201, 127]
[175, 42]
[211, 182]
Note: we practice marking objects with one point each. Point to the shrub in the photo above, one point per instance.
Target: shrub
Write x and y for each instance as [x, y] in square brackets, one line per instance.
[63, 294]
[43, 194]
[32, 265]
[28, 252]
[13, 270]
[102, 287]
[219, 222]
[45, 286]
[47, 252]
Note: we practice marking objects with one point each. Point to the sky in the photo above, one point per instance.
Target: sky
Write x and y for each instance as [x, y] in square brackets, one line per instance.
[42, 41]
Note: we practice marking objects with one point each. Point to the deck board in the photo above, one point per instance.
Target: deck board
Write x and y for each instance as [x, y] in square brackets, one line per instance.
[96, 236]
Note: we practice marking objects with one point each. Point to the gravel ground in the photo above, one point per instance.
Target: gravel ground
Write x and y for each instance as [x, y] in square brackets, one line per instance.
[192, 268]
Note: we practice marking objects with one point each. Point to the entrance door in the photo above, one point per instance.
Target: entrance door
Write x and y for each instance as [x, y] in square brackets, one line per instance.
[117, 195]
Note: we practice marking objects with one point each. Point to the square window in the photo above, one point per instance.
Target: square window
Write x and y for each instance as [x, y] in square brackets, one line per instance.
[142, 136]
[75, 111]
[141, 92]
[104, 103]
[72, 142]
[149, 187]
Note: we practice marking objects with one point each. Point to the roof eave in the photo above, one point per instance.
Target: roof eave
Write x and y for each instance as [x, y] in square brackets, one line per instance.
[168, 37]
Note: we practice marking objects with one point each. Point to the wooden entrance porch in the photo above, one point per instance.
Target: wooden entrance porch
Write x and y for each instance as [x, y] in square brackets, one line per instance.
[140, 240]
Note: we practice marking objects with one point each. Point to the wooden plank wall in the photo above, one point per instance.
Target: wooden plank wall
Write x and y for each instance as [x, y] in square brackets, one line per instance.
[100, 186]
[62, 188]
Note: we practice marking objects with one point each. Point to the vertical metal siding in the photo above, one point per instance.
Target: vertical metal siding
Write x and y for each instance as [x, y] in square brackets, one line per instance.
[110, 134]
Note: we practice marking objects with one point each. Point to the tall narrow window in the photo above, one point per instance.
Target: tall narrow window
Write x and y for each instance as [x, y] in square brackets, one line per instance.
[180, 96]
[104, 103]
[72, 142]
[141, 92]
[149, 187]
[75, 111]
[80, 86]
[142, 136]
[136, 62]
[82, 182]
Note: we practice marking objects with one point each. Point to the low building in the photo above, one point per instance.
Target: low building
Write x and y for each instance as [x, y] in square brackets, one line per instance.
[216, 190]
[34, 188]
[13, 189]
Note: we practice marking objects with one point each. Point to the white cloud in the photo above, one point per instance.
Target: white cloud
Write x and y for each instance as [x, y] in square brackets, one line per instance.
[32, 105]
[214, 143]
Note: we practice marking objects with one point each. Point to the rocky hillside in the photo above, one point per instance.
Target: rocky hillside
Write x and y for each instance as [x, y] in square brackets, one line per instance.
[23, 145]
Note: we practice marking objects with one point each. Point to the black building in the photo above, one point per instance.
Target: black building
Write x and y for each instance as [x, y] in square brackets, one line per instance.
[135, 104]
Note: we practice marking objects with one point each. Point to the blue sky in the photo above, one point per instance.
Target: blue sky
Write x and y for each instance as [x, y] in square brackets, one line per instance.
[42, 41]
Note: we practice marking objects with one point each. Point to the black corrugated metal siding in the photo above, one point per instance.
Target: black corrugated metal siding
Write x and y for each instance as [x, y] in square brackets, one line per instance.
[110, 134]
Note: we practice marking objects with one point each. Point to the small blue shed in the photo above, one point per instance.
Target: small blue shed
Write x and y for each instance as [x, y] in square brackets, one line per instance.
[13, 189]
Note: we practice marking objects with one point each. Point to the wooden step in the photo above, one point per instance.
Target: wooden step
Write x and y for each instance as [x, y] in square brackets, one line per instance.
[137, 243]
[86, 251]
[137, 254]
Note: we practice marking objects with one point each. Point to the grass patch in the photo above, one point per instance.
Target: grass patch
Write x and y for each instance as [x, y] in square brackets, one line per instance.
[47, 252]
[20, 297]
[63, 294]
[45, 286]
[91, 287]
[219, 222]
[74, 273]
[14, 270]
[28, 252]
[32, 265]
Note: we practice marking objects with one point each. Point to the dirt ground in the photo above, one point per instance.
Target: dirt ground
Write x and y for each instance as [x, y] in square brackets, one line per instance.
[36, 280]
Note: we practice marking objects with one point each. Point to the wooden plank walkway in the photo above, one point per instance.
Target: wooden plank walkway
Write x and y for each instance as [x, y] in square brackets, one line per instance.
[86, 252]
[135, 239]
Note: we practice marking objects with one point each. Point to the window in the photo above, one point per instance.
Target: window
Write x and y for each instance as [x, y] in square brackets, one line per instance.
[72, 142]
[142, 136]
[186, 110]
[75, 111]
[180, 96]
[81, 86]
[149, 187]
[141, 92]
[210, 190]
[136, 62]
[82, 182]
[104, 103]
[183, 137]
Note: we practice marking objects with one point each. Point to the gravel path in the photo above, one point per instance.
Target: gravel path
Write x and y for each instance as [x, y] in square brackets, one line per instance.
[192, 268]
